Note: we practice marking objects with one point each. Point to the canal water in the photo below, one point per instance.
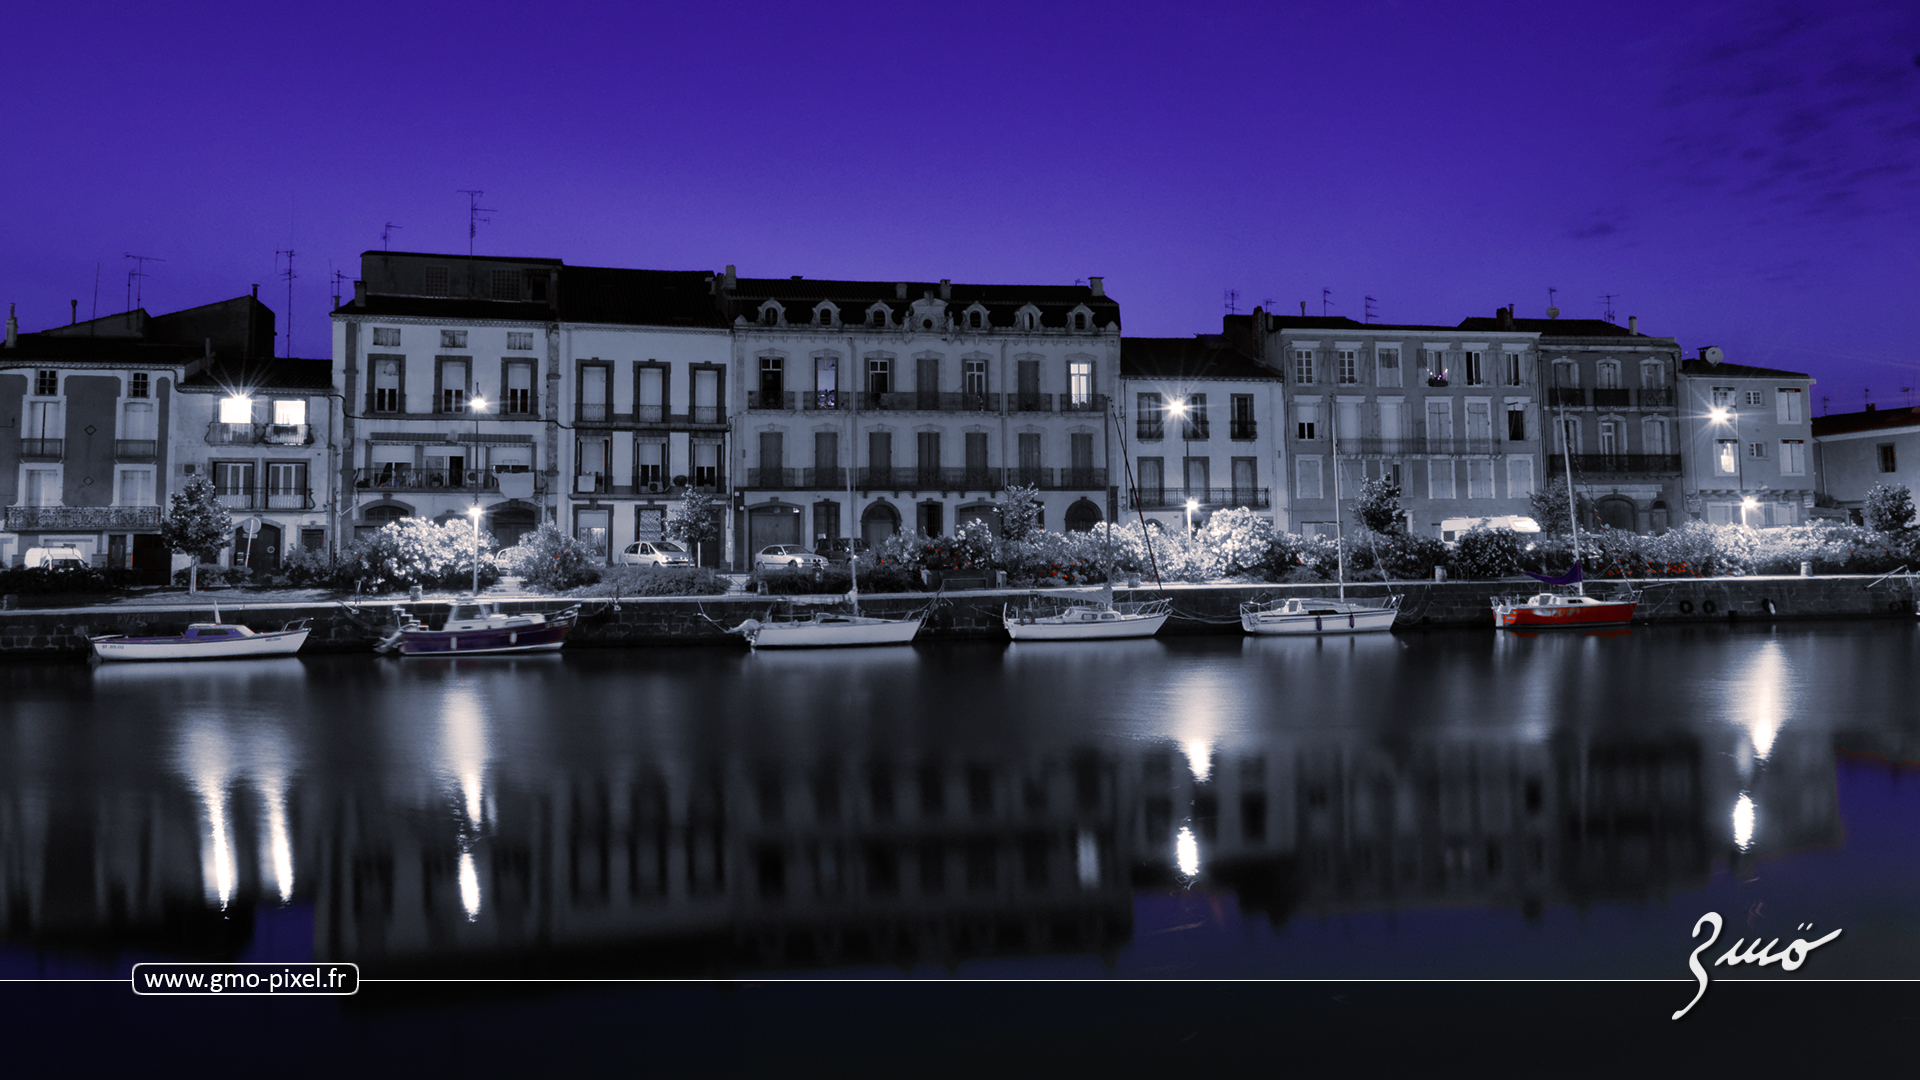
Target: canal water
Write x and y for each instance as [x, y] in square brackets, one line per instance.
[1436, 805]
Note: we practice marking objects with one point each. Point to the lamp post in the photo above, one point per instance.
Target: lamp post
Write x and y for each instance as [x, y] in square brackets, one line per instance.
[474, 513]
[1726, 414]
[1192, 505]
[1178, 407]
[479, 405]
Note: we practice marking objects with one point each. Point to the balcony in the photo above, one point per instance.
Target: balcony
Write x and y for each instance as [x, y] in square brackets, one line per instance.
[407, 478]
[831, 478]
[709, 484]
[1587, 464]
[219, 434]
[929, 401]
[1195, 429]
[1166, 498]
[1570, 396]
[773, 479]
[136, 449]
[42, 449]
[1243, 430]
[769, 401]
[915, 478]
[1656, 397]
[1026, 402]
[1612, 397]
[1422, 446]
[1093, 403]
[265, 498]
[82, 518]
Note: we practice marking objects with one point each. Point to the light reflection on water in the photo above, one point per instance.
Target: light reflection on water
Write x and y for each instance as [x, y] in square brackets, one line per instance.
[676, 811]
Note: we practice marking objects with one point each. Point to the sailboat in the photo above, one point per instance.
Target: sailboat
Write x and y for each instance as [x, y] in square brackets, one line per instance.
[1545, 610]
[1074, 619]
[822, 629]
[1320, 614]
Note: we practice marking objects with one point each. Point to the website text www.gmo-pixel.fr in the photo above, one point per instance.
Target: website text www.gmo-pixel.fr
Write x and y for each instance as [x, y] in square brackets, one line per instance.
[253, 979]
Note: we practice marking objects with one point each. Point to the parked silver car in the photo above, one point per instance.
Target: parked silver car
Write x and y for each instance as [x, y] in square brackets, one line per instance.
[785, 557]
[656, 553]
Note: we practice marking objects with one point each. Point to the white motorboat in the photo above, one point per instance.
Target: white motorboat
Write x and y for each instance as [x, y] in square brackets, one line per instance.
[475, 629]
[1086, 621]
[204, 641]
[1319, 615]
[824, 629]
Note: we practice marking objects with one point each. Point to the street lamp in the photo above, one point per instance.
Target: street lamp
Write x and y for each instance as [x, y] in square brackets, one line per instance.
[474, 513]
[1723, 414]
[1192, 505]
[1178, 407]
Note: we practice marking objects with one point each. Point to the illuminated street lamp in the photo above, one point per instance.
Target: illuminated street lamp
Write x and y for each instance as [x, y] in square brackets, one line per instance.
[1192, 505]
[1722, 414]
[474, 513]
[1178, 407]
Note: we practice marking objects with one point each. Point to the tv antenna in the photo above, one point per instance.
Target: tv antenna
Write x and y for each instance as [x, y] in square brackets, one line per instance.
[1233, 301]
[474, 220]
[1369, 309]
[1823, 404]
[339, 278]
[289, 275]
[386, 236]
[1326, 300]
[1553, 309]
[1606, 299]
[136, 279]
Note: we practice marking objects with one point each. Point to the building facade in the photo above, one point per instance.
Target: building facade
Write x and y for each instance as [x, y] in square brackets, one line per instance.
[1173, 389]
[871, 408]
[1855, 452]
[1747, 432]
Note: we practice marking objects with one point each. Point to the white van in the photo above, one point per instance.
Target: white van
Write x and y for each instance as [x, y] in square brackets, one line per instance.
[1451, 528]
[55, 558]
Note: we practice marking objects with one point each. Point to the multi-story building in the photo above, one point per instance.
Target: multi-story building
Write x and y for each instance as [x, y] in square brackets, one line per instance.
[869, 408]
[532, 390]
[1451, 414]
[1176, 388]
[85, 415]
[1854, 452]
[1747, 431]
[1612, 392]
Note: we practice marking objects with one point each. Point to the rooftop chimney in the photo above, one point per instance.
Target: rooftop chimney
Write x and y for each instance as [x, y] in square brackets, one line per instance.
[946, 288]
[13, 328]
[256, 292]
[1303, 309]
[359, 294]
[74, 318]
[1633, 324]
[730, 280]
[1098, 285]
[899, 290]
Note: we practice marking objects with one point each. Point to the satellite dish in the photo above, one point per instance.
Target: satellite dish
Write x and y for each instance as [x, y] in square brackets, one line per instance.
[1712, 354]
[1553, 313]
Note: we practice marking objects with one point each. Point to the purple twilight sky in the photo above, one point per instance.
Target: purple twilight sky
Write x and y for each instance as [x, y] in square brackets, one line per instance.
[1738, 174]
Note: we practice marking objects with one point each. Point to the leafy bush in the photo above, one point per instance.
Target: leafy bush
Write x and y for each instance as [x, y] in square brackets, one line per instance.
[1889, 508]
[555, 560]
[1378, 506]
[1550, 508]
[1398, 554]
[303, 569]
[413, 551]
[210, 575]
[47, 581]
[654, 581]
[1482, 554]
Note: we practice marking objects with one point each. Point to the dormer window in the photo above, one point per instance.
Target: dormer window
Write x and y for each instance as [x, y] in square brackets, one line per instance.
[880, 317]
[926, 324]
[824, 316]
[1079, 320]
[770, 315]
[973, 320]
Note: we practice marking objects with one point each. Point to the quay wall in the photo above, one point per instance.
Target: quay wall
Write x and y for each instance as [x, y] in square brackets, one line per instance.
[974, 614]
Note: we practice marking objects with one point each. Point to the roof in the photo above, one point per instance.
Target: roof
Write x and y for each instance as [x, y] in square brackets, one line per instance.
[1341, 322]
[293, 373]
[515, 259]
[54, 349]
[1207, 356]
[1872, 420]
[1551, 327]
[596, 294]
[450, 309]
[1701, 369]
[1001, 302]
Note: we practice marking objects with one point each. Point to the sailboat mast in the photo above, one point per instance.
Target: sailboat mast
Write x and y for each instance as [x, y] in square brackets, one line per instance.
[853, 458]
[1573, 511]
[1339, 532]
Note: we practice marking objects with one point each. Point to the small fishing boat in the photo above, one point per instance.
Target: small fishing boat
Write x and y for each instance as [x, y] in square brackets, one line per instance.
[1319, 615]
[1079, 620]
[1545, 610]
[205, 641]
[823, 629]
[476, 629]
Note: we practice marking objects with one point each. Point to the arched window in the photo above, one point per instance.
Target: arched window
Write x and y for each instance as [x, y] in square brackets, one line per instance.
[879, 316]
[384, 514]
[771, 316]
[1080, 320]
[1082, 516]
[825, 316]
[973, 320]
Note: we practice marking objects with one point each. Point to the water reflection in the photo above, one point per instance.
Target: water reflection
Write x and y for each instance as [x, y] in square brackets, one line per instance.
[690, 811]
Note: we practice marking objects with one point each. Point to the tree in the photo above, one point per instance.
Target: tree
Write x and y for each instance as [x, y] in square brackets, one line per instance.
[1022, 517]
[1889, 507]
[197, 525]
[694, 521]
[1550, 508]
[1378, 505]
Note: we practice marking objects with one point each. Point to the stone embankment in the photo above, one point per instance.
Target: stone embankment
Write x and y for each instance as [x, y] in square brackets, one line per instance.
[1198, 609]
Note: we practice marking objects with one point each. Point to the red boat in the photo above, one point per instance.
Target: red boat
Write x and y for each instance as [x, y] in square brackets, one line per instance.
[1547, 610]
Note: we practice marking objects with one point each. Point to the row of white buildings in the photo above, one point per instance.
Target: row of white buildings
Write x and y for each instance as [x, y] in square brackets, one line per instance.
[821, 411]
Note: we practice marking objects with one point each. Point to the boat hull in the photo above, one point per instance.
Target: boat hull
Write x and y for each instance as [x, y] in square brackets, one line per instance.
[276, 643]
[1546, 617]
[1354, 621]
[1126, 626]
[488, 642]
[833, 633]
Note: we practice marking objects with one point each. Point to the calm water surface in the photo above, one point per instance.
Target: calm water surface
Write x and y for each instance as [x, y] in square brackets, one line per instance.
[1439, 804]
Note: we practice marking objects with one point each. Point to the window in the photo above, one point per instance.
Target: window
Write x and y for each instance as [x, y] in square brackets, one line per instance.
[1199, 476]
[1387, 363]
[453, 386]
[1516, 423]
[1480, 426]
[770, 315]
[649, 466]
[437, 281]
[1306, 421]
[973, 320]
[1150, 419]
[290, 412]
[1609, 438]
[1303, 365]
[139, 387]
[1513, 369]
[233, 477]
[43, 487]
[1307, 472]
[1153, 480]
[453, 339]
[506, 285]
[1029, 458]
[879, 316]
[1240, 416]
[136, 421]
[286, 485]
[1886, 457]
[1195, 425]
[1653, 374]
[595, 380]
[879, 375]
[772, 375]
[1726, 458]
[824, 316]
[1653, 435]
[386, 337]
[1349, 366]
[1440, 426]
[1519, 477]
[1476, 371]
[1752, 398]
[1080, 382]
[1786, 402]
[1080, 320]
[880, 454]
[386, 385]
[46, 384]
[1439, 479]
[973, 380]
[1607, 375]
[1793, 457]
[1722, 396]
[236, 410]
[1479, 479]
[520, 339]
[1757, 451]
[519, 389]
[136, 487]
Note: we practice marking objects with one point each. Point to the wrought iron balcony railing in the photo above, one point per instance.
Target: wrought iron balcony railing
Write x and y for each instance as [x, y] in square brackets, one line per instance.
[1613, 463]
[42, 449]
[1244, 430]
[265, 498]
[407, 478]
[221, 434]
[1211, 498]
[136, 449]
[81, 518]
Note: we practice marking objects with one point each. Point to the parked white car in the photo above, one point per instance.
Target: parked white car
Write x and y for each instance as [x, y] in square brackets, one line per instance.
[785, 557]
[1451, 528]
[656, 553]
[55, 558]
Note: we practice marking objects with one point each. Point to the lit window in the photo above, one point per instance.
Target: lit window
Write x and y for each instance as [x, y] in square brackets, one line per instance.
[1080, 382]
[289, 412]
[236, 410]
[1727, 460]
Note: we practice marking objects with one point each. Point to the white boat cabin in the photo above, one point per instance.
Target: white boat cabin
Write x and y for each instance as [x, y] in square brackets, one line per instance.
[467, 615]
[206, 631]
